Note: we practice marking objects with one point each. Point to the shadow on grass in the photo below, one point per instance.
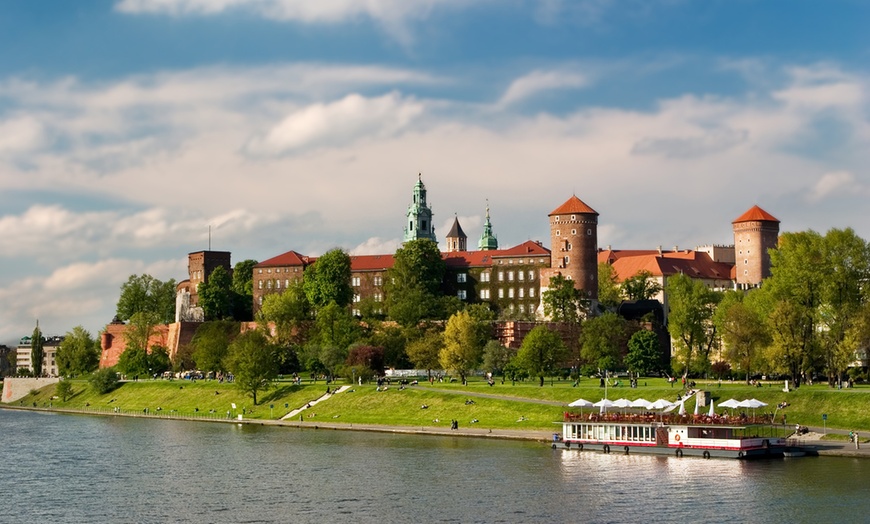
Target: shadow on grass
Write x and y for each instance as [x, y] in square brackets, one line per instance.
[277, 393]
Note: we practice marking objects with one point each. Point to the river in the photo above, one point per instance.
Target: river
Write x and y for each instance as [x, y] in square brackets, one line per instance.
[68, 468]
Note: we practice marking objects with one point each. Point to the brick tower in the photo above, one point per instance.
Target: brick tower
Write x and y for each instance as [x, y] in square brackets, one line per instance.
[755, 232]
[456, 238]
[574, 241]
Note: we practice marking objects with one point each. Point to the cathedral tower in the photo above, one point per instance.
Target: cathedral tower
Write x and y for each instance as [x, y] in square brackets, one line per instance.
[488, 241]
[419, 217]
[574, 241]
[456, 238]
[755, 232]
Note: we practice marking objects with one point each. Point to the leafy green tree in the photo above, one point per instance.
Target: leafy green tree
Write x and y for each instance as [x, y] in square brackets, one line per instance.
[141, 328]
[562, 301]
[424, 352]
[64, 390]
[690, 320]
[290, 312]
[134, 362]
[253, 362]
[36, 351]
[641, 286]
[144, 293]
[211, 344]
[644, 353]
[609, 291]
[216, 296]
[603, 340]
[335, 327]
[413, 284]
[243, 290]
[104, 380]
[158, 360]
[463, 344]
[328, 280]
[743, 330]
[78, 353]
[542, 353]
[497, 357]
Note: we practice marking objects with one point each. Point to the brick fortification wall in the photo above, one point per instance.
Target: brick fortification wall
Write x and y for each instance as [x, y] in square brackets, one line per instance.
[16, 388]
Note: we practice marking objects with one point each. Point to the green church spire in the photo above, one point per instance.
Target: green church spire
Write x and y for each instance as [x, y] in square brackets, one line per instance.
[487, 239]
[419, 216]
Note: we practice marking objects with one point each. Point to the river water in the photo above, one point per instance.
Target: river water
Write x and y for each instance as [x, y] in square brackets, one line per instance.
[66, 468]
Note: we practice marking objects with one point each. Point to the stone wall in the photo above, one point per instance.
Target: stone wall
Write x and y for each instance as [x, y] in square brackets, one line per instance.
[17, 388]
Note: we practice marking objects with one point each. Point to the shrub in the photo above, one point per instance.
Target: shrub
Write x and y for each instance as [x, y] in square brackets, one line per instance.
[104, 380]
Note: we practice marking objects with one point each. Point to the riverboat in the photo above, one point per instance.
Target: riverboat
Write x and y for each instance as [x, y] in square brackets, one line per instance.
[678, 436]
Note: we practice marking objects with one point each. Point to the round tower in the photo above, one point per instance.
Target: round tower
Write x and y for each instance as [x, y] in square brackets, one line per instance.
[574, 241]
[755, 232]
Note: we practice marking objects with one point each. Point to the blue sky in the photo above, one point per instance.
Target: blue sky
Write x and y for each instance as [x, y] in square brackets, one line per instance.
[127, 127]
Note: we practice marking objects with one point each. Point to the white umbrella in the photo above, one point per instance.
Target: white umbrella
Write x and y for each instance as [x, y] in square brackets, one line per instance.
[750, 403]
[581, 403]
[661, 404]
[682, 410]
[622, 403]
[697, 407]
[641, 403]
[730, 403]
[712, 412]
[603, 404]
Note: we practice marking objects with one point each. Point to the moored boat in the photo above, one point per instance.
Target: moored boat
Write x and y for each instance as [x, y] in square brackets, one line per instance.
[677, 436]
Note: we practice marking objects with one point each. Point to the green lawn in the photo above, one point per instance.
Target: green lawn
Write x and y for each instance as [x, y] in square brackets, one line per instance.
[846, 409]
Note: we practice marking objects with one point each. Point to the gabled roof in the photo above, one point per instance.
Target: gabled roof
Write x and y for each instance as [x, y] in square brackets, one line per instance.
[371, 262]
[461, 259]
[755, 214]
[573, 205]
[456, 230]
[290, 258]
[695, 264]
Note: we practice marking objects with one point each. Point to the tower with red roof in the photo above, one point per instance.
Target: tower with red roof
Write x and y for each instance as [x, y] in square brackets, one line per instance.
[755, 232]
[574, 242]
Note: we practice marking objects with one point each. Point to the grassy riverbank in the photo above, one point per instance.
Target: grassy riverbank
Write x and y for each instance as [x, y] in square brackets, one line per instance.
[504, 406]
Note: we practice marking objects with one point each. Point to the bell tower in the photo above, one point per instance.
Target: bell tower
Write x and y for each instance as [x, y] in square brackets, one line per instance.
[456, 238]
[488, 241]
[419, 216]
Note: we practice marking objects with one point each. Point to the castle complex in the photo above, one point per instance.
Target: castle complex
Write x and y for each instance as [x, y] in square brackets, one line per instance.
[511, 280]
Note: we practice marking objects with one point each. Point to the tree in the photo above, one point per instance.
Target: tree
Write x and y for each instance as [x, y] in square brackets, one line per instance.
[603, 340]
[641, 286]
[425, 352]
[158, 360]
[743, 330]
[64, 390]
[562, 301]
[211, 344]
[414, 282]
[104, 380]
[328, 280]
[78, 353]
[243, 290]
[216, 296]
[609, 292]
[366, 358]
[140, 330]
[144, 293]
[690, 320]
[497, 357]
[133, 362]
[253, 363]
[290, 312]
[336, 327]
[463, 344]
[542, 353]
[644, 352]
[36, 351]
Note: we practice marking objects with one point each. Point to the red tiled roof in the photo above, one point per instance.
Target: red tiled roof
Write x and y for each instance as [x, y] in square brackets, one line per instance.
[573, 205]
[755, 214]
[460, 259]
[290, 258]
[696, 264]
[371, 262]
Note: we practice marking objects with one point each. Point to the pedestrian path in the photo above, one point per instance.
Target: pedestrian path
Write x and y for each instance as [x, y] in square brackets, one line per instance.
[296, 412]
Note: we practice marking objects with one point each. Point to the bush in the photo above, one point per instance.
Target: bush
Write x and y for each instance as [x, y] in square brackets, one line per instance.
[64, 390]
[104, 380]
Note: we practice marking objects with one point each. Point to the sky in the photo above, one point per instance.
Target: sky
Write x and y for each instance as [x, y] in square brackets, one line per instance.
[133, 132]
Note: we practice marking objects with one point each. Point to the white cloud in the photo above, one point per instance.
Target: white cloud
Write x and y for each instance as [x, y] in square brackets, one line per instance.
[339, 123]
[20, 134]
[376, 246]
[538, 81]
[835, 183]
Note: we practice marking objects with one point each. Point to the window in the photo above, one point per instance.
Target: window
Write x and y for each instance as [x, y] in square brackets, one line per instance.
[260, 284]
[354, 281]
[522, 293]
[510, 276]
[573, 231]
[286, 283]
[355, 312]
[521, 276]
[378, 297]
[484, 294]
[501, 276]
[277, 284]
[565, 261]
[356, 297]
[589, 232]
[268, 271]
[573, 217]
[259, 301]
[745, 261]
[556, 218]
[379, 281]
[558, 233]
[484, 277]
[460, 277]
[500, 292]
[531, 292]
[531, 274]
[268, 284]
[511, 293]
[461, 294]
[260, 271]
[522, 308]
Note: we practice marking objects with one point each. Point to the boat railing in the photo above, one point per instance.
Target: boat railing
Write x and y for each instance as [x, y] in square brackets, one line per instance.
[668, 418]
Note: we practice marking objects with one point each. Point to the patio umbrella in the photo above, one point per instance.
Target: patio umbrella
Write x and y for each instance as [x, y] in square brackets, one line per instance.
[622, 403]
[580, 403]
[712, 412]
[730, 403]
[682, 410]
[697, 407]
[641, 403]
[661, 404]
[603, 404]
